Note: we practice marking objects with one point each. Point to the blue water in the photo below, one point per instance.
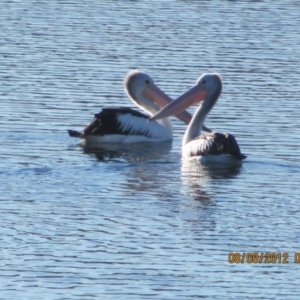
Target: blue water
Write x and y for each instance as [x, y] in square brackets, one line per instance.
[137, 222]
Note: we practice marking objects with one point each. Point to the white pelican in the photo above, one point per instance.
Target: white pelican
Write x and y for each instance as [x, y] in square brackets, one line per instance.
[211, 147]
[125, 125]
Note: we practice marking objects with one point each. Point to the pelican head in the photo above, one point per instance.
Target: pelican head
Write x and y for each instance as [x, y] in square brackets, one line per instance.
[208, 89]
[142, 90]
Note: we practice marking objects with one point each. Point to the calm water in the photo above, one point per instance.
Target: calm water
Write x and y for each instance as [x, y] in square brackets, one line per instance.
[136, 222]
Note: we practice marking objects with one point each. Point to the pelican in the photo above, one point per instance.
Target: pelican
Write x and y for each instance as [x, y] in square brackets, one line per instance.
[125, 125]
[211, 147]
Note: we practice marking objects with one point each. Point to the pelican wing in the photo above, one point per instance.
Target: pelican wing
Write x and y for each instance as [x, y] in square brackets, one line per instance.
[215, 144]
[122, 120]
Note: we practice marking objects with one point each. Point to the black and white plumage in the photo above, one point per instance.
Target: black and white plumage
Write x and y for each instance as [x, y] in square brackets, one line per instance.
[108, 121]
[125, 125]
[216, 144]
[211, 147]
[122, 125]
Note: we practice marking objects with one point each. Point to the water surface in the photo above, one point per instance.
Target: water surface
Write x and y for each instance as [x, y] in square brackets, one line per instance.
[136, 222]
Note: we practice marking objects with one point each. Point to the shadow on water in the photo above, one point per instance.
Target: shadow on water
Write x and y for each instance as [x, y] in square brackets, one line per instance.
[132, 153]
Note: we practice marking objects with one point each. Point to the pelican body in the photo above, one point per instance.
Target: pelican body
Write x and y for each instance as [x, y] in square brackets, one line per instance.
[125, 125]
[211, 147]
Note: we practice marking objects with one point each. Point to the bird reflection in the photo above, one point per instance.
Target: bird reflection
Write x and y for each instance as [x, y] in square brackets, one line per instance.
[198, 185]
[142, 152]
[146, 170]
[197, 177]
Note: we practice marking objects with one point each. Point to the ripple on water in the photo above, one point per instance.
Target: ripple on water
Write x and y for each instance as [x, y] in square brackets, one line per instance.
[137, 222]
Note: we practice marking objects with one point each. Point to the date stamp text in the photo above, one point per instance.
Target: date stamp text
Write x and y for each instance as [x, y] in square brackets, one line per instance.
[262, 258]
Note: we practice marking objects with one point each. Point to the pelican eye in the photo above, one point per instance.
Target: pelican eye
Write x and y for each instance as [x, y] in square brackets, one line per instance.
[147, 81]
[204, 81]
